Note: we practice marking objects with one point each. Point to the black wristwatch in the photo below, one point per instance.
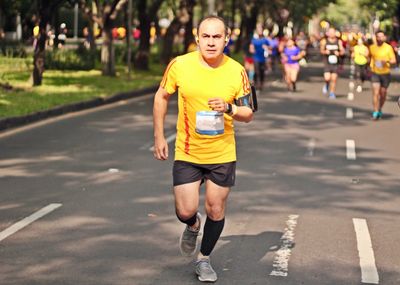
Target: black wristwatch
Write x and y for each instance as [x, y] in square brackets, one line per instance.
[228, 108]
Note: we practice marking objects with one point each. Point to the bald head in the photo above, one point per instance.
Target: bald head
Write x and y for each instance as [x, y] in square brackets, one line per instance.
[213, 18]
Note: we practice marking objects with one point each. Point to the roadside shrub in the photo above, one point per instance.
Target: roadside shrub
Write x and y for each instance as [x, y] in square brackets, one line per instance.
[12, 49]
[121, 53]
[69, 59]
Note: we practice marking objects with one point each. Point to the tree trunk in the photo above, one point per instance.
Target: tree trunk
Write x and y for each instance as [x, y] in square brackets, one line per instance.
[142, 55]
[145, 16]
[247, 26]
[107, 52]
[40, 47]
[233, 13]
[56, 25]
[128, 22]
[46, 8]
[92, 38]
[168, 43]
[189, 25]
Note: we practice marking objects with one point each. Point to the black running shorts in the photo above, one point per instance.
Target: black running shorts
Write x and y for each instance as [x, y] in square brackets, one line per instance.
[222, 174]
[382, 79]
[331, 68]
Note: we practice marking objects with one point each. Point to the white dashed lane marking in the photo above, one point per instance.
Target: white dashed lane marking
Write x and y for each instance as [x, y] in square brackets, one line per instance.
[311, 147]
[281, 261]
[351, 150]
[28, 220]
[369, 272]
[349, 113]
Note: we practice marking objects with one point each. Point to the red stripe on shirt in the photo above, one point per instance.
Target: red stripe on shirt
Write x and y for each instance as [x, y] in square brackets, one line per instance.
[245, 82]
[186, 122]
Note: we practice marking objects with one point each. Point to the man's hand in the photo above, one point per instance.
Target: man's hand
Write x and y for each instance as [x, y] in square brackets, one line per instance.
[160, 149]
[217, 104]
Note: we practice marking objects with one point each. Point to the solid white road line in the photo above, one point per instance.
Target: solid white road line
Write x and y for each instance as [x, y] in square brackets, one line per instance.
[369, 273]
[310, 147]
[282, 256]
[350, 96]
[350, 149]
[168, 139]
[28, 220]
[349, 113]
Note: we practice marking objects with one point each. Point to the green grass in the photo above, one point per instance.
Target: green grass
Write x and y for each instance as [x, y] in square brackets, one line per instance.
[63, 87]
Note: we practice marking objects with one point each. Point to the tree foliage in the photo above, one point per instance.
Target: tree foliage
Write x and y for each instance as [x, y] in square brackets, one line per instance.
[104, 12]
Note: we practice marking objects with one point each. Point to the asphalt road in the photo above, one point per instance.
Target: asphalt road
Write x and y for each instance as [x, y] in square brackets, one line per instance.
[83, 201]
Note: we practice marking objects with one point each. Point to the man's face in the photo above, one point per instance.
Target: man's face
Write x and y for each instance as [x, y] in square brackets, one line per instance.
[211, 37]
[380, 38]
[331, 33]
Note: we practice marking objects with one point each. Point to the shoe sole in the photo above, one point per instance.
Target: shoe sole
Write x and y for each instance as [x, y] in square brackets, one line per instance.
[207, 280]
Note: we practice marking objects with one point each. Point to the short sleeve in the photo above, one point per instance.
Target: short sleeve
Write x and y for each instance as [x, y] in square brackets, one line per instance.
[169, 80]
[244, 87]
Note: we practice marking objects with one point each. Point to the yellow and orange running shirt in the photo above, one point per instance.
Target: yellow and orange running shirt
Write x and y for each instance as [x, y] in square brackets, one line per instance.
[196, 84]
[360, 52]
[380, 56]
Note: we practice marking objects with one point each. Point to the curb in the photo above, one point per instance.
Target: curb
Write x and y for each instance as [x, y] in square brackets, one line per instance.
[12, 122]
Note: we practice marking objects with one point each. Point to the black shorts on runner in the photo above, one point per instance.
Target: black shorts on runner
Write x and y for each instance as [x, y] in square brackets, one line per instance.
[383, 79]
[331, 68]
[222, 174]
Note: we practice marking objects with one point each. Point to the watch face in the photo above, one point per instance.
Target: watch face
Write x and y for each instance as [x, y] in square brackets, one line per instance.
[228, 108]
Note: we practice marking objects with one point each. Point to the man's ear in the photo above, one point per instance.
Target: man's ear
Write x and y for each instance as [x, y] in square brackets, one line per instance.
[226, 40]
[196, 39]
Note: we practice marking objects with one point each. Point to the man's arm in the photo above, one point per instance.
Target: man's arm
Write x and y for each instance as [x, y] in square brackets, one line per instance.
[160, 108]
[341, 48]
[239, 113]
[392, 58]
[322, 46]
[244, 114]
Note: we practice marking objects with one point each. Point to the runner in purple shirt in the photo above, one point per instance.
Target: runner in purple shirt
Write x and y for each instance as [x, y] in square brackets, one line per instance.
[291, 55]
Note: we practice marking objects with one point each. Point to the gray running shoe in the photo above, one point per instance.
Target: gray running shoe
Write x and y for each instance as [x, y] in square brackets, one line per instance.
[204, 271]
[188, 239]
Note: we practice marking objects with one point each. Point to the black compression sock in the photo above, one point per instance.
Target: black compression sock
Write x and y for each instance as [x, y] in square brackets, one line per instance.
[212, 232]
[190, 222]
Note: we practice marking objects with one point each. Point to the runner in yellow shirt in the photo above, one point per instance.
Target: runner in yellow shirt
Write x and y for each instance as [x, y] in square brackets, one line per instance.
[382, 57]
[209, 84]
[360, 56]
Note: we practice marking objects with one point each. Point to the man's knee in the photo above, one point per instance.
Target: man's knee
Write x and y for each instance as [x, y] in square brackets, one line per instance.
[185, 213]
[215, 211]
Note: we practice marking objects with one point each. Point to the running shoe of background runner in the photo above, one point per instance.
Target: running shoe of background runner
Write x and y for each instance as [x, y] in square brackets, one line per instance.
[375, 115]
[332, 95]
[325, 89]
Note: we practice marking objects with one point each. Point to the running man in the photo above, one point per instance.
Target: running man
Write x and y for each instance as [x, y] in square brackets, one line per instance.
[211, 86]
[360, 56]
[259, 48]
[331, 48]
[382, 57]
[290, 58]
